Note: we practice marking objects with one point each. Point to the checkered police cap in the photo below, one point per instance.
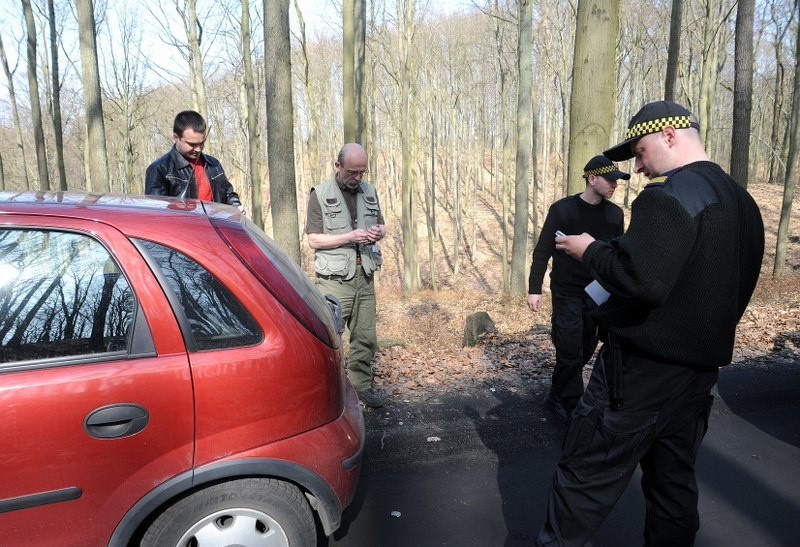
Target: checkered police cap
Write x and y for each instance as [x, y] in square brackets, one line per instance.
[602, 166]
[652, 118]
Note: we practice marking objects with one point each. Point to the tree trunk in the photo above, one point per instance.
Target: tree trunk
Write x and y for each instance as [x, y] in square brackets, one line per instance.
[406, 14]
[314, 129]
[519, 251]
[360, 59]
[253, 139]
[348, 66]
[36, 107]
[194, 36]
[57, 126]
[15, 113]
[92, 98]
[674, 50]
[742, 92]
[280, 127]
[593, 85]
[790, 181]
[430, 208]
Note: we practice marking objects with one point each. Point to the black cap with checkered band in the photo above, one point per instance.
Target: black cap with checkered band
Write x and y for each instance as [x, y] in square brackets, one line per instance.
[604, 167]
[652, 118]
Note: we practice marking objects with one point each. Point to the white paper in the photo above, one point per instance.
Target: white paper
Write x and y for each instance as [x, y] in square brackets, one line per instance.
[597, 292]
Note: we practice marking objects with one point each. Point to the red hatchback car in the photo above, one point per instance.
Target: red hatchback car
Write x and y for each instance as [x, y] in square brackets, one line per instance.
[168, 376]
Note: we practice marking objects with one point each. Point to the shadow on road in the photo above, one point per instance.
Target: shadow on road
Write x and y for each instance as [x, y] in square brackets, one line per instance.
[517, 427]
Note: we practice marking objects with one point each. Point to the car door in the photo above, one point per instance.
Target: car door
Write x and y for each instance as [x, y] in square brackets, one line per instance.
[95, 388]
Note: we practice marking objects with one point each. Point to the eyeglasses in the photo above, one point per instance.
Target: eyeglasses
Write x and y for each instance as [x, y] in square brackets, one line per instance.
[352, 173]
[193, 144]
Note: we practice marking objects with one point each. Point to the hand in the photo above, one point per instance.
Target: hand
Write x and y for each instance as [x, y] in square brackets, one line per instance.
[361, 237]
[534, 302]
[375, 233]
[574, 246]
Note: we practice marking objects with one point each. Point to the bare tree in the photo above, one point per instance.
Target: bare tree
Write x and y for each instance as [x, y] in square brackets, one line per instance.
[253, 140]
[742, 92]
[593, 84]
[358, 73]
[781, 25]
[36, 107]
[790, 181]
[58, 132]
[314, 130]
[280, 127]
[96, 143]
[348, 66]
[519, 252]
[674, 52]
[14, 111]
[406, 13]
[126, 102]
[194, 35]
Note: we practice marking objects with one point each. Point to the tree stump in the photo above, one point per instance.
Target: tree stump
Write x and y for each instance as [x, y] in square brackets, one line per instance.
[477, 324]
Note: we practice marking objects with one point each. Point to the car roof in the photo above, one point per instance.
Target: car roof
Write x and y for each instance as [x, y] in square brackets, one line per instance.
[31, 200]
[135, 215]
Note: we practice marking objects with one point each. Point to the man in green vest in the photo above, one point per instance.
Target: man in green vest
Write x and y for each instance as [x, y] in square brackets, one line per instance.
[343, 225]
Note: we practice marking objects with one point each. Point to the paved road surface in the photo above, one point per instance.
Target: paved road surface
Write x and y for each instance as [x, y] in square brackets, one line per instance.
[484, 482]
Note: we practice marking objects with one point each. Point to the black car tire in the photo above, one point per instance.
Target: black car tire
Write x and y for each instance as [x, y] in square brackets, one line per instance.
[252, 511]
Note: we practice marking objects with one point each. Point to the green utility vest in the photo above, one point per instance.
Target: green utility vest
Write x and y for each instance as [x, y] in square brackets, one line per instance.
[336, 219]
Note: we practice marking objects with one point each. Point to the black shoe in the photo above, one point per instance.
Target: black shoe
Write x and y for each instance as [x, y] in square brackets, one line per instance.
[370, 398]
[558, 410]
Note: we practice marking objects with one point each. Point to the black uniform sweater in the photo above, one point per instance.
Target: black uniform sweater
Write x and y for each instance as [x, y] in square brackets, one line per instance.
[682, 275]
[572, 215]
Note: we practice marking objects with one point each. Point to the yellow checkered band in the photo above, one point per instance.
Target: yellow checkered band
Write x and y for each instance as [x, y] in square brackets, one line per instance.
[654, 126]
[600, 171]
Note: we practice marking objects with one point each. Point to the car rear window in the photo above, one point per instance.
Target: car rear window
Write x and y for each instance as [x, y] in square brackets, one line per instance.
[62, 294]
[282, 277]
[215, 317]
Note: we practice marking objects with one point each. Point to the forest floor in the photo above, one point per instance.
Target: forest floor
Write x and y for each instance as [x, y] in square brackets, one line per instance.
[421, 355]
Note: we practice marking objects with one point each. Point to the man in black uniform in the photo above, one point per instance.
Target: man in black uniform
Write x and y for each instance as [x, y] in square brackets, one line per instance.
[574, 330]
[680, 279]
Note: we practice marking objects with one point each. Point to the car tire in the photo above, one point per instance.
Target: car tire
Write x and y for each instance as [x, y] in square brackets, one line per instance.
[253, 511]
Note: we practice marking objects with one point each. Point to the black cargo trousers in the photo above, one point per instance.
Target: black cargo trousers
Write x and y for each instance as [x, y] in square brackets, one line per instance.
[662, 416]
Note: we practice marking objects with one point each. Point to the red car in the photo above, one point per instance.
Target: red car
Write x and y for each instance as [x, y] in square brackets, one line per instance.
[168, 376]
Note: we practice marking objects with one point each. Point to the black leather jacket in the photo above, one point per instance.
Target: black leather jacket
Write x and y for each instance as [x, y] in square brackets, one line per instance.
[172, 175]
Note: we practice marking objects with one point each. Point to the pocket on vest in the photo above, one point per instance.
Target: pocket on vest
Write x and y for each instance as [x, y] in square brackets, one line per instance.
[332, 264]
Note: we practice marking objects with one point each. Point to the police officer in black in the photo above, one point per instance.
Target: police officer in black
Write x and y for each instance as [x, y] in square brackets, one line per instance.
[574, 330]
[680, 279]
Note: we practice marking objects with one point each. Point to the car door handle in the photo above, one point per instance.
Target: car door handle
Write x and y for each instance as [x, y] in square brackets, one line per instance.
[116, 421]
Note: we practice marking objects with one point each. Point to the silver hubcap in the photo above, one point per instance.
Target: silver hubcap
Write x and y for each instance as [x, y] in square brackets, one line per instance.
[237, 527]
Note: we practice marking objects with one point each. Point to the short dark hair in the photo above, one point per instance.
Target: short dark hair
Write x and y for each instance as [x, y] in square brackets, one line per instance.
[188, 118]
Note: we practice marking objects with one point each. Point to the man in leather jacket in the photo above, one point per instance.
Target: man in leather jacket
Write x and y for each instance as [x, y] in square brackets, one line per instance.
[186, 172]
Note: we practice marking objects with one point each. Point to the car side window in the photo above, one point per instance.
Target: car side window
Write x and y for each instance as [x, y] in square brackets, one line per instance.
[62, 295]
[216, 318]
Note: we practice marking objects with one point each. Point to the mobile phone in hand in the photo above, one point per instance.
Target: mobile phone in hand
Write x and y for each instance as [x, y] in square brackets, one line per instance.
[559, 233]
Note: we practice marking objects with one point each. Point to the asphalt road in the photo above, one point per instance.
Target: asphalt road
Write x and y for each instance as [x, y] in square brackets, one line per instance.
[474, 470]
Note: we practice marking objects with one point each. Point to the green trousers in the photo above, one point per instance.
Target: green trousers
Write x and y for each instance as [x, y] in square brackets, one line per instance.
[357, 297]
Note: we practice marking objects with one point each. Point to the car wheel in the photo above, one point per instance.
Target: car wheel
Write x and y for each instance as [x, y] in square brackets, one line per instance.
[247, 512]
